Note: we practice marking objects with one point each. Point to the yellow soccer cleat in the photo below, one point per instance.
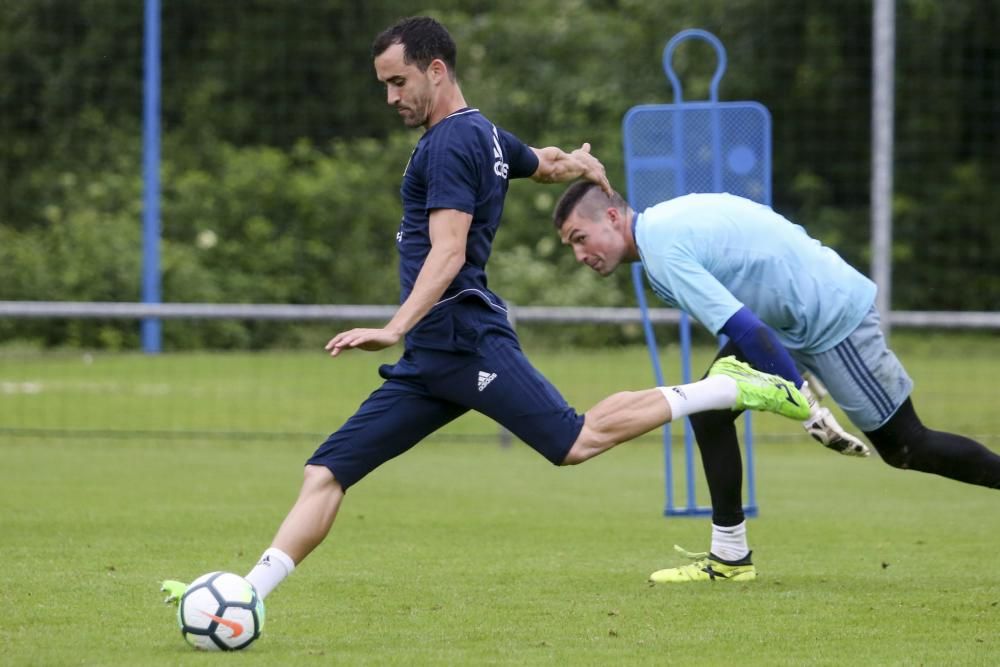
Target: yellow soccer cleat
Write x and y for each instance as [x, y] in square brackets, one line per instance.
[174, 590]
[762, 391]
[705, 567]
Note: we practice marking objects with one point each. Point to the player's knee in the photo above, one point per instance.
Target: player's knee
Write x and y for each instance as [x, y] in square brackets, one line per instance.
[572, 459]
[908, 452]
[576, 455]
[319, 478]
[902, 442]
[588, 444]
[896, 456]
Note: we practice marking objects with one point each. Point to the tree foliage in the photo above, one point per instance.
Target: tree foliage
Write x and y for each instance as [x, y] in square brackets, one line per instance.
[281, 163]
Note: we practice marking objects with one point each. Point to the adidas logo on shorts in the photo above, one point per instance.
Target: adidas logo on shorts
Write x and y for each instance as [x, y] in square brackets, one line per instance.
[485, 379]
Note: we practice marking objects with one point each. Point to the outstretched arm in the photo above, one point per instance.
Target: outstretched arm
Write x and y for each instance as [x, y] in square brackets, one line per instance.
[557, 166]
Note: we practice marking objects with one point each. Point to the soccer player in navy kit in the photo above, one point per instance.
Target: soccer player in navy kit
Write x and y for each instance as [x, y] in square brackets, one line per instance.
[784, 302]
[460, 350]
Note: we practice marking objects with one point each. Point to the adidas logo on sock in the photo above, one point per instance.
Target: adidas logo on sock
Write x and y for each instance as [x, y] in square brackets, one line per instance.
[485, 379]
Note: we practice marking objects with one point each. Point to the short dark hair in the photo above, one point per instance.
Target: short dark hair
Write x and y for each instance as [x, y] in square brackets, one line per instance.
[424, 40]
[575, 194]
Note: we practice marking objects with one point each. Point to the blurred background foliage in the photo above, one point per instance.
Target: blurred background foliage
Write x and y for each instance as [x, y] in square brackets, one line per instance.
[281, 162]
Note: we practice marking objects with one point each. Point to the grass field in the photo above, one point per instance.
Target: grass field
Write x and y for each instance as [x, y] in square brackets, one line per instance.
[463, 552]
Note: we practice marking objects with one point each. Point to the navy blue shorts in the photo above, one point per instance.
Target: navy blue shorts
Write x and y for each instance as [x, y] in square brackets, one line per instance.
[428, 388]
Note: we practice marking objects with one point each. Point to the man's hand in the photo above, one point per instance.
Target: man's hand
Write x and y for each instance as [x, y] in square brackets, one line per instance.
[364, 339]
[557, 166]
[823, 427]
[591, 168]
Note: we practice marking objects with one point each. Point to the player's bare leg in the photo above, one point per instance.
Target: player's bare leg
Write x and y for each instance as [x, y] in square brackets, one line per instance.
[311, 517]
[730, 384]
[616, 419]
[304, 528]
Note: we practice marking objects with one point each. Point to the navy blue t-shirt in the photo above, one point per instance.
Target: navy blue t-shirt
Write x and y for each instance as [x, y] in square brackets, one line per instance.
[463, 163]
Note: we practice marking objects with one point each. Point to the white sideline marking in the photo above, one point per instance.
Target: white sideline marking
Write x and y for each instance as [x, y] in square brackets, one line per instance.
[20, 387]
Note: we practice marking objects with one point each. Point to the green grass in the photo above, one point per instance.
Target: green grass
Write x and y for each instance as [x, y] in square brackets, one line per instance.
[306, 393]
[462, 552]
[471, 554]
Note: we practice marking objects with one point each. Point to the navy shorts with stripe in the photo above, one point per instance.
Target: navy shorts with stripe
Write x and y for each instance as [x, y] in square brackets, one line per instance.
[479, 366]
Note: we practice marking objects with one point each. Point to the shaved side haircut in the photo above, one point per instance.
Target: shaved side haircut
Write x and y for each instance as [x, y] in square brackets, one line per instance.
[586, 199]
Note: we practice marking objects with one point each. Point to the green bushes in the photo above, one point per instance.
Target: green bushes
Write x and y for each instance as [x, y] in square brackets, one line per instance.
[248, 225]
[251, 225]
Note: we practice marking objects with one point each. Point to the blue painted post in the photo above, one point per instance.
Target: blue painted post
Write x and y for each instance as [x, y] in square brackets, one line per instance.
[151, 333]
[705, 146]
[647, 328]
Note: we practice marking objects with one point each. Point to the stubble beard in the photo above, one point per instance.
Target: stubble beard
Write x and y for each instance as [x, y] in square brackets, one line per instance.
[416, 115]
[412, 120]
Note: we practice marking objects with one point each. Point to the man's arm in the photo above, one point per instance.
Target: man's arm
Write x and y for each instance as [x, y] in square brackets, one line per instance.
[760, 346]
[557, 166]
[449, 230]
[762, 349]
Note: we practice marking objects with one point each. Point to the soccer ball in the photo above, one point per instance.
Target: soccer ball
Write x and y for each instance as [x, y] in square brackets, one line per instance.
[220, 611]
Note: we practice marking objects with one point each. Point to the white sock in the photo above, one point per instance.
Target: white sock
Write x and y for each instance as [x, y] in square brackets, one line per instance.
[730, 542]
[715, 392]
[274, 565]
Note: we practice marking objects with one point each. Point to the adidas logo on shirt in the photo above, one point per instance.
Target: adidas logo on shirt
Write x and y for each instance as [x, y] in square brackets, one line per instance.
[500, 168]
[485, 379]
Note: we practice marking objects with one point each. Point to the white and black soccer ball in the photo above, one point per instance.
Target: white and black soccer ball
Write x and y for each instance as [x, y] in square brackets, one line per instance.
[220, 611]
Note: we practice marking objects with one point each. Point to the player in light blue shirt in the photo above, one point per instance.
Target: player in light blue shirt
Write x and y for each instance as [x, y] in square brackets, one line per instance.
[787, 305]
[712, 254]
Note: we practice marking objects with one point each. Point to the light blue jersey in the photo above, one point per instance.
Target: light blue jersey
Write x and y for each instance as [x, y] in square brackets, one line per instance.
[711, 254]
